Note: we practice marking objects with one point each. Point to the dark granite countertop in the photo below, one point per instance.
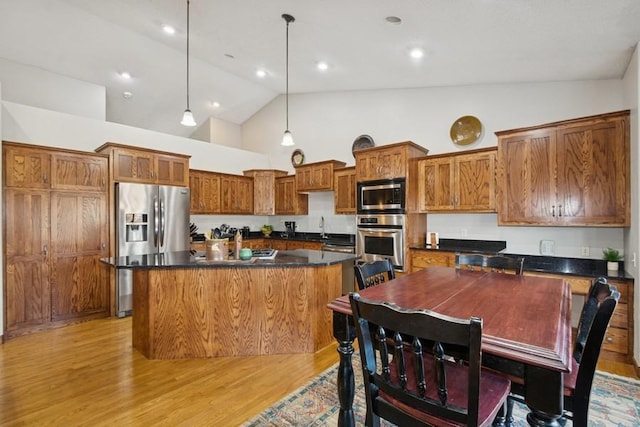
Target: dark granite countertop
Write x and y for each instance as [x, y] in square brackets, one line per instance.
[333, 238]
[188, 259]
[544, 264]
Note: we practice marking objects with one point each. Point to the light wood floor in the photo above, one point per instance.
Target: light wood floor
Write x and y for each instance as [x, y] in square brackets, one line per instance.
[88, 374]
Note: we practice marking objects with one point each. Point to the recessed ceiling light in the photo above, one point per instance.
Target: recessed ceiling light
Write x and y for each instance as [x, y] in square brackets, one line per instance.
[394, 20]
[125, 75]
[322, 66]
[416, 53]
[127, 95]
[261, 73]
[215, 104]
[168, 29]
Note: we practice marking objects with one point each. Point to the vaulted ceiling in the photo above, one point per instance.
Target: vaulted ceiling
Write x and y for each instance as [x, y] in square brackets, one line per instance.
[465, 42]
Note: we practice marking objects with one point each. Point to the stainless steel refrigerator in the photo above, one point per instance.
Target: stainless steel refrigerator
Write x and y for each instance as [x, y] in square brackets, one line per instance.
[150, 220]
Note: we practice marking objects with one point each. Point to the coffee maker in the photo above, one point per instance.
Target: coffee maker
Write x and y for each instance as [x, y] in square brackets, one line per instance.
[290, 227]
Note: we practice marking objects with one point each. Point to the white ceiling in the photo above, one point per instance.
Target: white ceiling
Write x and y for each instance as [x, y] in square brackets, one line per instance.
[466, 42]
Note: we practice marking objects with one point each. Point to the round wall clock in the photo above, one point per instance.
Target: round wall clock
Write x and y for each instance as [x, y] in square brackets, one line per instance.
[297, 157]
[465, 130]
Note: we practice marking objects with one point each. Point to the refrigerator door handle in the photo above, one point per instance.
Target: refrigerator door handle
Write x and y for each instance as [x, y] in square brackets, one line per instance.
[156, 222]
[162, 222]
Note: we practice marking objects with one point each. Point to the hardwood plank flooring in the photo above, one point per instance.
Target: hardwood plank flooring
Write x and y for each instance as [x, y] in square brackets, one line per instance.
[88, 374]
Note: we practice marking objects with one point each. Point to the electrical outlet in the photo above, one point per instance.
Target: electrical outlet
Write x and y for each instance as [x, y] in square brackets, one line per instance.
[547, 247]
[463, 232]
[584, 250]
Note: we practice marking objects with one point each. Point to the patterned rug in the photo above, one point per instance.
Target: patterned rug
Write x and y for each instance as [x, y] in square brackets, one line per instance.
[615, 401]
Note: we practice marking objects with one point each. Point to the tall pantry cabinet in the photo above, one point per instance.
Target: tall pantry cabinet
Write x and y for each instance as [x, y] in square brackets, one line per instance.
[55, 232]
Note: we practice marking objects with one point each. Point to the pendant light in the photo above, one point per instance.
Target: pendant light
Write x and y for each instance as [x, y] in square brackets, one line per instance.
[187, 117]
[287, 139]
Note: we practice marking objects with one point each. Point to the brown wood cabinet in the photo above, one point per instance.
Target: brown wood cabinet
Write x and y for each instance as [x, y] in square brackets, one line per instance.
[205, 192]
[317, 176]
[571, 173]
[288, 200]
[291, 244]
[141, 165]
[237, 194]
[264, 190]
[425, 259]
[464, 182]
[387, 161]
[344, 193]
[55, 234]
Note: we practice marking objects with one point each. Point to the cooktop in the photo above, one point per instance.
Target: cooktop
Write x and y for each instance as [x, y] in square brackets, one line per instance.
[264, 253]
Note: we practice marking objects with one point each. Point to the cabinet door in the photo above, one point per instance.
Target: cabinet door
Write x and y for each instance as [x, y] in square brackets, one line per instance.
[79, 172]
[196, 205]
[591, 175]
[304, 178]
[425, 259]
[133, 166]
[435, 184]
[27, 248]
[264, 202]
[344, 194]
[475, 182]
[26, 167]
[526, 183]
[78, 240]
[210, 193]
[228, 188]
[244, 196]
[288, 200]
[392, 163]
[171, 170]
[367, 166]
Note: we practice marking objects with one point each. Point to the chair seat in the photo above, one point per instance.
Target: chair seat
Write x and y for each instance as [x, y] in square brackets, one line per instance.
[493, 390]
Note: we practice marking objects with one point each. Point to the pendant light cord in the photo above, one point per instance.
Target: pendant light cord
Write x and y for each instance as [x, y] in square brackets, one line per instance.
[287, 77]
[188, 54]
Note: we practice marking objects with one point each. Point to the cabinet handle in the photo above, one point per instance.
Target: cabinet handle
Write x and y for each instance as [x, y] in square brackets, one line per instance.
[44, 177]
[559, 210]
[104, 245]
[103, 182]
[45, 250]
[553, 210]
[609, 339]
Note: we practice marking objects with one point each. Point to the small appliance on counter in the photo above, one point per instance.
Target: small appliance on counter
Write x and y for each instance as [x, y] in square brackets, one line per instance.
[290, 228]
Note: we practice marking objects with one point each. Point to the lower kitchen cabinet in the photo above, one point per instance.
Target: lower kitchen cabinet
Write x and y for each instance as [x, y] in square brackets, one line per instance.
[425, 259]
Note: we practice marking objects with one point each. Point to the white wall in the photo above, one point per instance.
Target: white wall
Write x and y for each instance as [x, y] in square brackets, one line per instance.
[324, 126]
[632, 235]
[38, 88]
[219, 132]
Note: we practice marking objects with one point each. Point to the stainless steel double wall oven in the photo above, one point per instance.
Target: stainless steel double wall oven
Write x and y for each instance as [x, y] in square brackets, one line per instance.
[381, 221]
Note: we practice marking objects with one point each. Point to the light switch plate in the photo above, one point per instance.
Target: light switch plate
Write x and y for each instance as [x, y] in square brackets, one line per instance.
[547, 247]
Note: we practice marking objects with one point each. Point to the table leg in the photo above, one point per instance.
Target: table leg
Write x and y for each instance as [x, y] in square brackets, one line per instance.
[544, 397]
[344, 333]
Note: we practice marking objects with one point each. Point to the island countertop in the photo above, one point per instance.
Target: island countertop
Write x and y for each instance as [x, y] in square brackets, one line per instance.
[189, 259]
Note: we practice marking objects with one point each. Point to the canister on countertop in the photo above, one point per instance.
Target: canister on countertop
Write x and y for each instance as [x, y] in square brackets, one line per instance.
[216, 249]
[434, 239]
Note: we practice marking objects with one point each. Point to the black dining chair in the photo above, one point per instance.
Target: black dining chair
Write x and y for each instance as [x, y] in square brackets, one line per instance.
[373, 273]
[596, 314]
[499, 263]
[412, 383]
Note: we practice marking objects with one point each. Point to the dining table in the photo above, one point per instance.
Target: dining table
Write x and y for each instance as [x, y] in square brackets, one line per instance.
[526, 328]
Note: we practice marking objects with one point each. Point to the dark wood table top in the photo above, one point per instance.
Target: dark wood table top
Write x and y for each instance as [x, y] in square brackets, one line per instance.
[525, 318]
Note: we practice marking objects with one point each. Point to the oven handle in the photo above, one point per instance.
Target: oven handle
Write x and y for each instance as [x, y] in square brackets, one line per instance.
[381, 229]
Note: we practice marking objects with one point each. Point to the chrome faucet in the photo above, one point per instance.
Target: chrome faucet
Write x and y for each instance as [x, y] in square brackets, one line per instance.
[322, 234]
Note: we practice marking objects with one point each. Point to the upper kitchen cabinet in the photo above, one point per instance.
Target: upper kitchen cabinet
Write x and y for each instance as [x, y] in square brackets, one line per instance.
[288, 200]
[316, 176]
[344, 193]
[26, 166]
[387, 161]
[141, 165]
[205, 192]
[30, 166]
[570, 173]
[237, 194]
[264, 190]
[458, 182]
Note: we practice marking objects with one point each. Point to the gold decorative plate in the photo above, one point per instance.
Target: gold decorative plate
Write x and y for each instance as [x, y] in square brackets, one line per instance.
[465, 130]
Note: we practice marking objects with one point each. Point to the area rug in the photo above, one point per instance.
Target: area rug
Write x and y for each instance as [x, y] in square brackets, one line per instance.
[615, 401]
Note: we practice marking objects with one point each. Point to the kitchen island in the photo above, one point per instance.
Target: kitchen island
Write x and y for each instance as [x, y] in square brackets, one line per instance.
[187, 307]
